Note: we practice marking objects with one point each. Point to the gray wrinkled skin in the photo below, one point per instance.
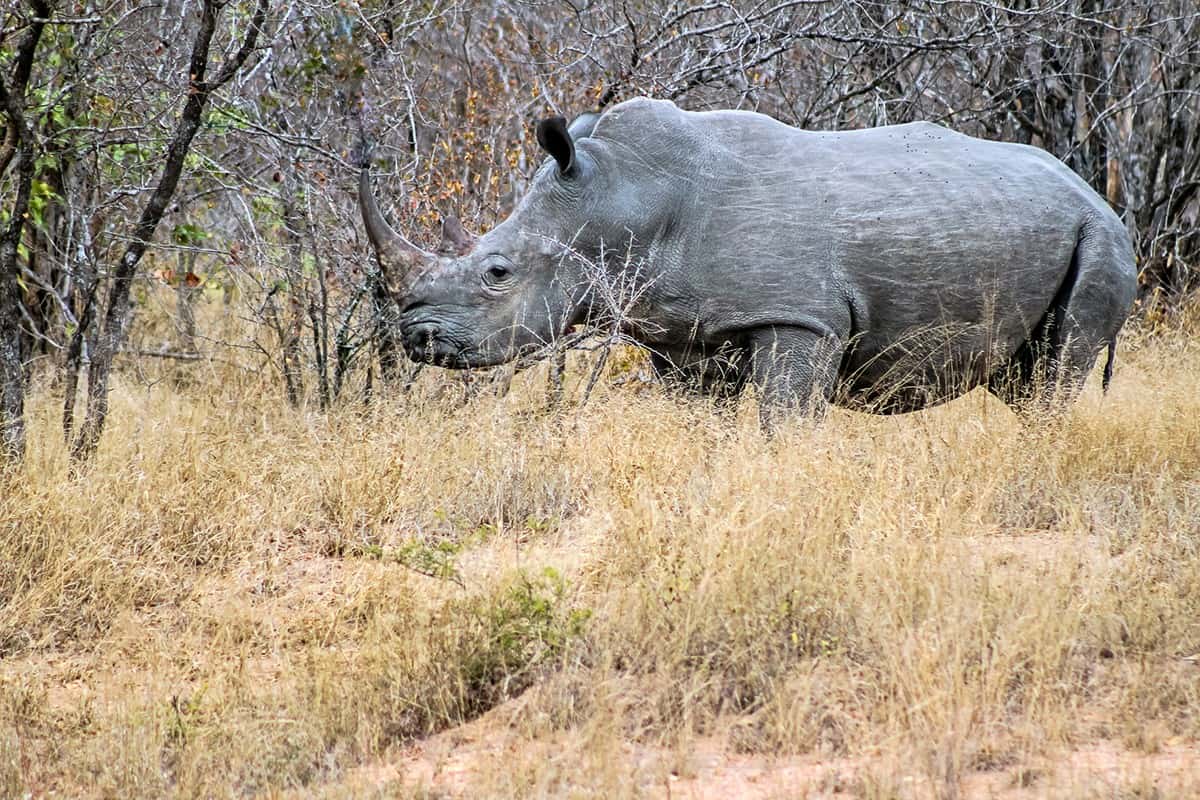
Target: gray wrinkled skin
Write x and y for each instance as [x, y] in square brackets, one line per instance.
[887, 269]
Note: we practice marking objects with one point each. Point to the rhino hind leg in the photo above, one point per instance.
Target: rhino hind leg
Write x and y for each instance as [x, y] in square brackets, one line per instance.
[1049, 370]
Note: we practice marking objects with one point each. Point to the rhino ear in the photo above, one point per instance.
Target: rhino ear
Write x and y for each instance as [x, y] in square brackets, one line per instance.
[555, 139]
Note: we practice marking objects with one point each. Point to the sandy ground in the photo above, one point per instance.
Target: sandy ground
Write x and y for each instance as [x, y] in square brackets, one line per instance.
[469, 762]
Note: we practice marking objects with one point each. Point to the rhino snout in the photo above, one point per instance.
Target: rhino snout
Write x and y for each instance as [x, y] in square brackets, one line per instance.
[421, 340]
[421, 333]
[438, 341]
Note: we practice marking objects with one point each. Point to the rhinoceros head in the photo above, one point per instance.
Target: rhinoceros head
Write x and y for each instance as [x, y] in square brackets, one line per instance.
[476, 303]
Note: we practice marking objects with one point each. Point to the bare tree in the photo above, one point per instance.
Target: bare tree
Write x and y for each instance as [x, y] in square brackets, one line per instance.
[116, 315]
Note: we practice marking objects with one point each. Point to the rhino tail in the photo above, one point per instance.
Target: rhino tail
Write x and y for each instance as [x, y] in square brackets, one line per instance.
[1108, 363]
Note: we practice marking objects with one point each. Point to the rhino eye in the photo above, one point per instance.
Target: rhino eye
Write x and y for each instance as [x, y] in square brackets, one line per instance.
[496, 275]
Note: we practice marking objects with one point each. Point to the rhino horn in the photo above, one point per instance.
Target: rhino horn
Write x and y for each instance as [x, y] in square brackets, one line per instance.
[455, 239]
[398, 257]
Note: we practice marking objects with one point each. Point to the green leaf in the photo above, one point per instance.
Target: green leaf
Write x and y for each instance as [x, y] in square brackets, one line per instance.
[188, 234]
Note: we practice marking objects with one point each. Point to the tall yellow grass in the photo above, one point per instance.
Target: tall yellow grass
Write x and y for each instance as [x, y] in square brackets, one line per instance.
[239, 598]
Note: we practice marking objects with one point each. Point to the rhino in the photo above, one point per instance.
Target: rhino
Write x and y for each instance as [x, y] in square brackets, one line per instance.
[887, 269]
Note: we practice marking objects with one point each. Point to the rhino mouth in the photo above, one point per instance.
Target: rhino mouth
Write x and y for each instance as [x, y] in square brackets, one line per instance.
[429, 340]
[425, 344]
[428, 348]
[436, 353]
[441, 341]
[430, 344]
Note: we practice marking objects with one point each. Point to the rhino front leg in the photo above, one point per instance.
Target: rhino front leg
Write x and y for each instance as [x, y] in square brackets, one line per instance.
[795, 370]
[719, 376]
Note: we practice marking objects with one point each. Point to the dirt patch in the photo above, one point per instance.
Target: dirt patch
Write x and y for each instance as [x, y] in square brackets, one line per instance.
[471, 761]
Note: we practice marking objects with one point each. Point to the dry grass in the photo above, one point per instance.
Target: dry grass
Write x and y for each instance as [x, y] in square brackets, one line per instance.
[240, 599]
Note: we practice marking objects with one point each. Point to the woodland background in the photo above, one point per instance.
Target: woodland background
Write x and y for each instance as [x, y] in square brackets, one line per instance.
[209, 148]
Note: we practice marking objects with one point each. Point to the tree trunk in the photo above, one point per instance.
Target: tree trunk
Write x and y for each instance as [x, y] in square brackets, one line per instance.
[12, 370]
[19, 136]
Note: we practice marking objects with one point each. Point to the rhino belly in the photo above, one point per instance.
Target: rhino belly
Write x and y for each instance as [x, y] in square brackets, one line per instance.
[922, 367]
[939, 314]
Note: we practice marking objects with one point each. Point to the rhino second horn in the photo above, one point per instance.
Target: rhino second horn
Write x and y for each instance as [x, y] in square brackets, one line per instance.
[389, 245]
[455, 239]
